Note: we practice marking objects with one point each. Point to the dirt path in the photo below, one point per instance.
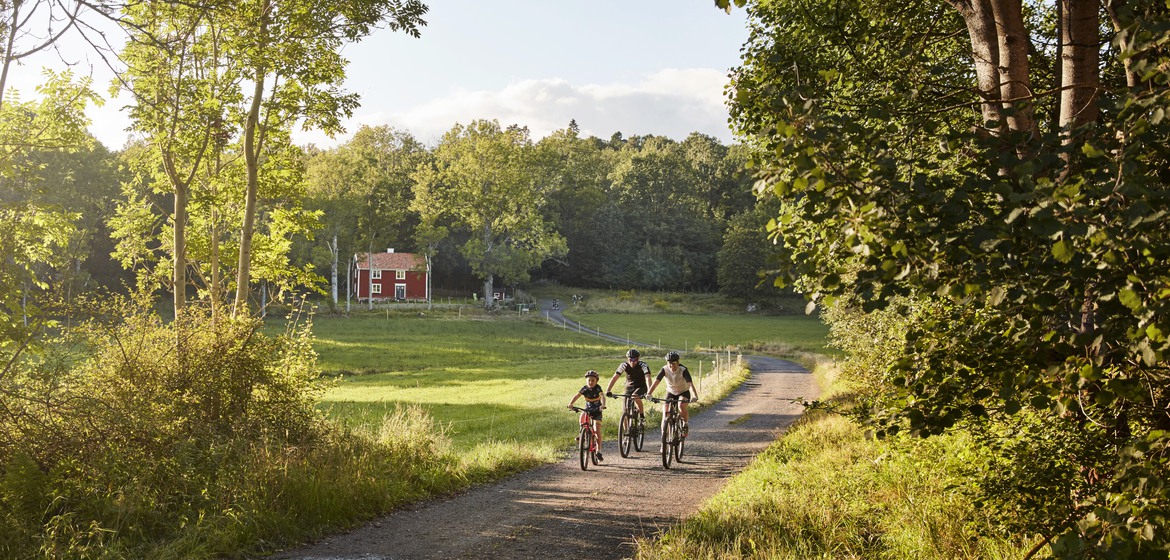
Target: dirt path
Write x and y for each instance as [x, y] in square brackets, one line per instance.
[560, 511]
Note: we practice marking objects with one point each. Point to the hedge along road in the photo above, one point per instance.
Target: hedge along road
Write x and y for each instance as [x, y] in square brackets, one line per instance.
[559, 510]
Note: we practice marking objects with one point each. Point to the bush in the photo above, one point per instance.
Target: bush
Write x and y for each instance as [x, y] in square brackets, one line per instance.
[198, 438]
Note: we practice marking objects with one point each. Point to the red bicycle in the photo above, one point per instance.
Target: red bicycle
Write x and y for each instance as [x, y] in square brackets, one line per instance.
[587, 439]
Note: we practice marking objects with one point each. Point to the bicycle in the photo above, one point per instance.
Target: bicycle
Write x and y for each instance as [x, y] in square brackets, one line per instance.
[632, 428]
[673, 442]
[587, 439]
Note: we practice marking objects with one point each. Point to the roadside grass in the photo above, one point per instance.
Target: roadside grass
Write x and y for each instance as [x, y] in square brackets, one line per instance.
[687, 303]
[825, 490]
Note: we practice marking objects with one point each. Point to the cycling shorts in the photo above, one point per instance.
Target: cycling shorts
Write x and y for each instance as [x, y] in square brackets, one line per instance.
[684, 395]
[636, 389]
[594, 410]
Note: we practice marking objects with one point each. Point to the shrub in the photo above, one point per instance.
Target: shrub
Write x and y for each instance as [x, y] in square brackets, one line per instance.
[197, 438]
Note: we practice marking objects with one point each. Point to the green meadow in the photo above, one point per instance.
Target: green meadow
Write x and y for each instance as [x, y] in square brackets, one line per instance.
[498, 385]
[775, 334]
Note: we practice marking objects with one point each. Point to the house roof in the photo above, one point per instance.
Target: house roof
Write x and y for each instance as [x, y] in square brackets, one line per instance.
[392, 261]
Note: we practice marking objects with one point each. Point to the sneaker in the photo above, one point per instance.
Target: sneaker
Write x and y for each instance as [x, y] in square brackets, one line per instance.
[685, 429]
[598, 455]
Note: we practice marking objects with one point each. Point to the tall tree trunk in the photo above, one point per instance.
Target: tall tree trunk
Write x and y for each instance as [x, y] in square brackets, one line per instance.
[370, 274]
[1080, 76]
[252, 148]
[9, 40]
[215, 288]
[1015, 81]
[999, 48]
[1114, 7]
[179, 271]
[980, 20]
[333, 270]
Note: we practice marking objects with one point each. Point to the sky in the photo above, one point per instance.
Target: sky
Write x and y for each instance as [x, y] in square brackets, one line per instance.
[631, 66]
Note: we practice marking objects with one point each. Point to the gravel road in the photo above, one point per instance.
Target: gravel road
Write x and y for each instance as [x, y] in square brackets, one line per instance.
[560, 511]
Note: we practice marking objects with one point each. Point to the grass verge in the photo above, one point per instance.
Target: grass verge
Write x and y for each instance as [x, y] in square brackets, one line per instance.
[825, 490]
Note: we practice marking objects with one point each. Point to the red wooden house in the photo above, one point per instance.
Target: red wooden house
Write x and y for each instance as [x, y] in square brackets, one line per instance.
[397, 276]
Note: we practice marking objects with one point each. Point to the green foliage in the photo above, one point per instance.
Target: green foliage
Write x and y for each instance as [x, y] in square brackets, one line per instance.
[482, 178]
[1029, 268]
[38, 230]
[744, 258]
[191, 439]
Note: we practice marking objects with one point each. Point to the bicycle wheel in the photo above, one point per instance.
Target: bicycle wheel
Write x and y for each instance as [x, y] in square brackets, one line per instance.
[594, 447]
[667, 451]
[680, 442]
[584, 443]
[639, 431]
[625, 436]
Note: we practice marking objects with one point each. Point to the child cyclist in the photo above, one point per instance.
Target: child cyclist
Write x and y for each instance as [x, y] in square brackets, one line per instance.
[594, 402]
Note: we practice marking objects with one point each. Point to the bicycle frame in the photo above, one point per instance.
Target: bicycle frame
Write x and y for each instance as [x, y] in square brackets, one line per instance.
[587, 438]
[631, 428]
[672, 441]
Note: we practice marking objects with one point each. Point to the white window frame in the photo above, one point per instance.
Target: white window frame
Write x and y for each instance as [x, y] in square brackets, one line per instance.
[377, 289]
[377, 274]
[400, 275]
[401, 287]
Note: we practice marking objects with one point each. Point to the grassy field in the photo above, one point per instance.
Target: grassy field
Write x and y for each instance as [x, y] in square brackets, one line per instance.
[776, 334]
[497, 384]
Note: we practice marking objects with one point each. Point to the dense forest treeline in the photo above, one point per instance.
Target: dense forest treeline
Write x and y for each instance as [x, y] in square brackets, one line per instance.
[645, 212]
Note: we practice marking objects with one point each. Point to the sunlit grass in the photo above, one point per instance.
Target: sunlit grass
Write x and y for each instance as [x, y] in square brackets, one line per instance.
[825, 490]
[779, 334]
[497, 388]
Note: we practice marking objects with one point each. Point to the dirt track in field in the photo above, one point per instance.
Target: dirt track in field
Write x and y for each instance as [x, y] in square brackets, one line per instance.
[560, 511]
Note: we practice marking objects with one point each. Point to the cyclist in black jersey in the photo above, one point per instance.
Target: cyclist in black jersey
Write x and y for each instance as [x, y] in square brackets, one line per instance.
[594, 402]
[637, 378]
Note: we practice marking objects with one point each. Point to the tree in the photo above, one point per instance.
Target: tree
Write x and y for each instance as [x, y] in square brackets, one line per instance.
[483, 176]
[745, 254]
[206, 74]
[364, 189]
[576, 171]
[918, 175]
[291, 54]
[178, 73]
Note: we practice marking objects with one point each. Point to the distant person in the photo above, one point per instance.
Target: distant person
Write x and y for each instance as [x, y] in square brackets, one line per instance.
[594, 403]
[678, 387]
[637, 379]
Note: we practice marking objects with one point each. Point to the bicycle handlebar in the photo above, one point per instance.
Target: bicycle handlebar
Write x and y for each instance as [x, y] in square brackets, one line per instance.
[626, 396]
[658, 400]
[579, 409]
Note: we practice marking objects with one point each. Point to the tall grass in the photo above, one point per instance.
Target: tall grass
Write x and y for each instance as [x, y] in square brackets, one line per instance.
[825, 490]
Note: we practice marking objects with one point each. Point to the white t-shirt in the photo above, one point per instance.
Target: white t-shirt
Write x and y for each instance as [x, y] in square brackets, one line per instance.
[677, 381]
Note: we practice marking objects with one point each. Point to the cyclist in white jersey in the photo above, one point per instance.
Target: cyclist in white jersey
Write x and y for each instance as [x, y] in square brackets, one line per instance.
[678, 386]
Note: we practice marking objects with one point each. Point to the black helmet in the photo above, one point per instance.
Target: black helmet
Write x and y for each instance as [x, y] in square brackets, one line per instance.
[633, 353]
[672, 357]
[591, 373]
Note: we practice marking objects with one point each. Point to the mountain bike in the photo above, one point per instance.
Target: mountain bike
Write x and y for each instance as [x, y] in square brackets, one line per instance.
[632, 428]
[587, 439]
[673, 442]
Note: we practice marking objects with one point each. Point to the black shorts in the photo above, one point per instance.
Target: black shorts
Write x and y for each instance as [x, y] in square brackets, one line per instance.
[635, 389]
[594, 412]
[684, 395]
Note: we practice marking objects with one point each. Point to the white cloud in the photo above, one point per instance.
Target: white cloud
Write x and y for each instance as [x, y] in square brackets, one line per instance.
[671, 102]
